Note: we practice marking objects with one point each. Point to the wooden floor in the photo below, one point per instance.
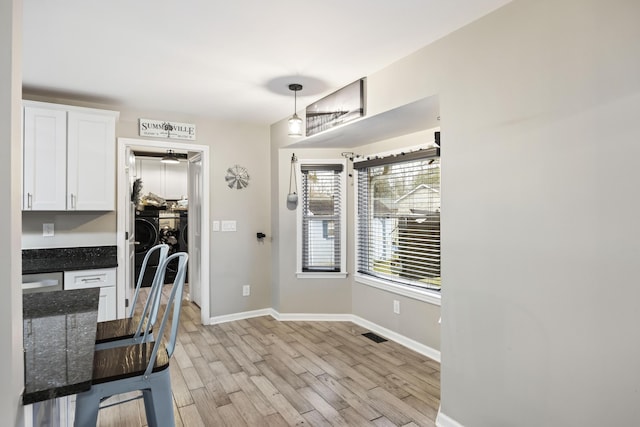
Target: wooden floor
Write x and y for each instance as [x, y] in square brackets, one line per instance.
[262, 372]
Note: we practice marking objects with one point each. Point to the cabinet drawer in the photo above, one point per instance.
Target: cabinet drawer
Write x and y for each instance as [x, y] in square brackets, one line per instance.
[82, 279]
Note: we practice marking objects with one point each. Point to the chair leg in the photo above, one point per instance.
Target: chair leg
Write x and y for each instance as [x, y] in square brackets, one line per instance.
[149, 408]
[87, 405]
[160, 394]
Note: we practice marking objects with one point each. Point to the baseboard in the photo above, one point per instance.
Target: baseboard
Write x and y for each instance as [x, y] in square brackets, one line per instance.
[239, 316]
[443, 420]
[425, 350]
[312, 317]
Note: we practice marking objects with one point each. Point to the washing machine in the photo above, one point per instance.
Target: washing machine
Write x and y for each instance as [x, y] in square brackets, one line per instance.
[147, 235]
[183, 232]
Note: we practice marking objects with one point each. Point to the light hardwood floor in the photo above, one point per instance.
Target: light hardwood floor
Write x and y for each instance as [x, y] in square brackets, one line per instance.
[263, 372]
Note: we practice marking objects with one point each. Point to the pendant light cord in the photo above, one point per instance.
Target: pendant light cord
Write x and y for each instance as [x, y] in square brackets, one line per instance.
[292, 175]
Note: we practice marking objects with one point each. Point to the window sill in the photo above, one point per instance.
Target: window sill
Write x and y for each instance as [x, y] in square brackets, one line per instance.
[321, 275]
[425, 295]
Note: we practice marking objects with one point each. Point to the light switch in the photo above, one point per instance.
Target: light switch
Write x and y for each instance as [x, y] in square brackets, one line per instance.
[216, 225]
[228, 226]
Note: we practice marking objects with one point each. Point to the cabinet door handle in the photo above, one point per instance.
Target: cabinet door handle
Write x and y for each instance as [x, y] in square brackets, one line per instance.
[29, 201]
[73, 201]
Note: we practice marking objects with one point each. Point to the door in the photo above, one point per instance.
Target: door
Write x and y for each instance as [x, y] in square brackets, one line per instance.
[130, 221]
[195, 227]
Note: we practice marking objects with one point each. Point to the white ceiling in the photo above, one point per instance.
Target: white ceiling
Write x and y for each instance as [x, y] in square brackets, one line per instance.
[229, 60]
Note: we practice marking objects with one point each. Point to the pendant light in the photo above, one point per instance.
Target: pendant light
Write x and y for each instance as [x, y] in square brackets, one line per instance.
[295, 122]
[170, 157]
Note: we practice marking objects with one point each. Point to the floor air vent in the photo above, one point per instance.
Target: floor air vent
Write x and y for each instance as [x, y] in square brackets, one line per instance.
[374, 337]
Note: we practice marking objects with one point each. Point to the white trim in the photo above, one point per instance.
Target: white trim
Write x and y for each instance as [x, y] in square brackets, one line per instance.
[313, 317]
[343, 218]
[122, 143]
[425, 295]
[241, 316]
[431, 297]
[443, 420]
[424, 350]
[302, 275]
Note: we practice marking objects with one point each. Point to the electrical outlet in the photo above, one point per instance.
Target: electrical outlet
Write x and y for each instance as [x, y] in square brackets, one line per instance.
[246, 290]
[47, 230]
[396, 306]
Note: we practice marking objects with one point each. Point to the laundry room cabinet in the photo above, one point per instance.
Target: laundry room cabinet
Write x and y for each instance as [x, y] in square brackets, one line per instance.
[69, 158]
[166, 180]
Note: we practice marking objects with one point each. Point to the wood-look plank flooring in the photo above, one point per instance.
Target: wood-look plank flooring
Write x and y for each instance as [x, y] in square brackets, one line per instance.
[263, 372]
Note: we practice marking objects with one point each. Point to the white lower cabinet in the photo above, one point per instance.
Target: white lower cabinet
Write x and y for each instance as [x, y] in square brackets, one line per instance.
[105, 279]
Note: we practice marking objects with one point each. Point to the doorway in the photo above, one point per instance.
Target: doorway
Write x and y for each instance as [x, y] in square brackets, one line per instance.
[198, 219]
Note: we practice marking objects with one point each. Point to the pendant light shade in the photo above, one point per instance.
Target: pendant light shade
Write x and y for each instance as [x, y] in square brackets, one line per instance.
[295, 122]
[170, 157]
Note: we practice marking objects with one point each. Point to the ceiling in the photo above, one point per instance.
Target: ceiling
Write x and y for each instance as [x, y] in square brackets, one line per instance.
[226, 60]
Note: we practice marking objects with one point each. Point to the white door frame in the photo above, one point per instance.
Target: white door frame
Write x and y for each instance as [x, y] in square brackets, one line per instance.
[122, 203]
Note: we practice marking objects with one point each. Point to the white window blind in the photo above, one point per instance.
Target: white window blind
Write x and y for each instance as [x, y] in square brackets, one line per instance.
[399, 218]
[321, 218]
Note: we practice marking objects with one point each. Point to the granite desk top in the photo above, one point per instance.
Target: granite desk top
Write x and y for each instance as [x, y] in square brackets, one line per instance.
[67, 259]
[59, 330]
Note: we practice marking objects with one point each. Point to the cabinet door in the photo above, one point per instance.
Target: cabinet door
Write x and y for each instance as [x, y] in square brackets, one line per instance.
[152, 174]
[45, 154]
[175, 179]
[91, 152]
[107, 305]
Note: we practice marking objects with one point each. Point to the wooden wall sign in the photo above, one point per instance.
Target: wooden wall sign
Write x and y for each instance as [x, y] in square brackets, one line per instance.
[165, 129]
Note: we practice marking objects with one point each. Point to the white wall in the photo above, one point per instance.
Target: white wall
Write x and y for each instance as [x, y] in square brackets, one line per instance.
[11, 356]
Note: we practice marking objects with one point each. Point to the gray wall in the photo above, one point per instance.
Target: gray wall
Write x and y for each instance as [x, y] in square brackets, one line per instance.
[236, 258]
[11, 356]
[540, 313]
[342, 296]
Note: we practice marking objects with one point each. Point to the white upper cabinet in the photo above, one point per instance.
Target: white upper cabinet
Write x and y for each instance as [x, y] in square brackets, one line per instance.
[91, 167]
[69, 158]
[45, 159]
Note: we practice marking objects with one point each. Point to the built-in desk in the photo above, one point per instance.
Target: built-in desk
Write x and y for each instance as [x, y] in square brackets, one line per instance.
[59, 338]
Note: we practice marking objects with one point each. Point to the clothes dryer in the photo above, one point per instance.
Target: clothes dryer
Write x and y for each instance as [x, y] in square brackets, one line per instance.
[147, 235]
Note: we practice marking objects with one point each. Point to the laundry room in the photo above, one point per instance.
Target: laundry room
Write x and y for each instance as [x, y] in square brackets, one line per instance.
[161, 206]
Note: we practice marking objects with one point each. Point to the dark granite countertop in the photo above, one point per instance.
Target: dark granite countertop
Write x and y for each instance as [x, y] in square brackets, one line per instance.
[59, 338]
[67, 259]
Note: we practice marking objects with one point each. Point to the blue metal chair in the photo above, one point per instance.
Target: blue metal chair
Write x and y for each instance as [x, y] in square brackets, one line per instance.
[143, 366]
[126, 331]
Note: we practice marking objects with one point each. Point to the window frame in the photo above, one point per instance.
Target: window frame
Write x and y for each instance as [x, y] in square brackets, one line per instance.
[342, 218]
[431, 296]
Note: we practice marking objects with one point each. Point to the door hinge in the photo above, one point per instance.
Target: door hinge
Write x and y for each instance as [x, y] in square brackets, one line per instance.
[126, 302]
[126, 235]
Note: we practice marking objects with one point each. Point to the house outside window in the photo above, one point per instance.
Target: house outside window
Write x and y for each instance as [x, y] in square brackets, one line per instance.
[322, 219]
[398, 219]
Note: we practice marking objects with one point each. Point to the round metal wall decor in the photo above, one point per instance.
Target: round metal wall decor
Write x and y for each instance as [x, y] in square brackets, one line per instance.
[237, 177]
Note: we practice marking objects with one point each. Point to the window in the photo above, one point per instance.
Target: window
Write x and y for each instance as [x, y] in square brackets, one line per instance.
[398, 218]
[322, 218]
